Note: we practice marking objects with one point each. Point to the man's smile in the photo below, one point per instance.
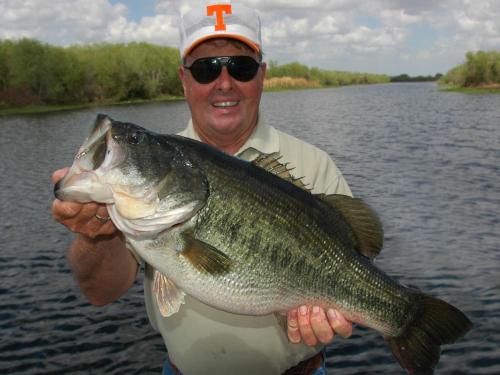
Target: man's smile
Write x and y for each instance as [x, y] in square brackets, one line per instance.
[226, 104]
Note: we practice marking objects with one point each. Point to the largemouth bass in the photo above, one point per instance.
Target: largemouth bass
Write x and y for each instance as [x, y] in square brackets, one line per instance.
[239, 237]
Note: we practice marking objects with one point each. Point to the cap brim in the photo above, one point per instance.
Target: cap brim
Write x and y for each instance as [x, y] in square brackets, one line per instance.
[254, 46]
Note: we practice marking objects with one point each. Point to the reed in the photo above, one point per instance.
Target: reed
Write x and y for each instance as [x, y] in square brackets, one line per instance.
[480, 71]
[289, 83]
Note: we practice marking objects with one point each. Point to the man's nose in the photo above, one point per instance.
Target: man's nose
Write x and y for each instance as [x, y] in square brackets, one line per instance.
[224, 81]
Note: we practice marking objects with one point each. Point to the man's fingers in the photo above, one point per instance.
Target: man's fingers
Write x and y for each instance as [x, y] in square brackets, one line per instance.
[107, 229]
[60, 173]
[65, 210]
[293, 327]
[321, 326]
[313, 325]
[340, 325]
[88, 219]
[306, 331]
[102, 211]
[81, 218]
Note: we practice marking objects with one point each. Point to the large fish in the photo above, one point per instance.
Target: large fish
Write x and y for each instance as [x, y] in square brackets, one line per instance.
[238, 237]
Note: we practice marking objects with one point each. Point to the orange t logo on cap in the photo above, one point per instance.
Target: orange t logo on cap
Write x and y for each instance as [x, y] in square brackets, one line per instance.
[219, 10]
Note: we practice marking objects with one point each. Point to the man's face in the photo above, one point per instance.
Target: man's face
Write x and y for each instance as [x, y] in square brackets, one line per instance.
[226, 106]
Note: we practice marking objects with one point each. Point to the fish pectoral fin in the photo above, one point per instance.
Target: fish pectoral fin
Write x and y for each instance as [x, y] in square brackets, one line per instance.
[205, 257]
[169, 298]
[364, 222]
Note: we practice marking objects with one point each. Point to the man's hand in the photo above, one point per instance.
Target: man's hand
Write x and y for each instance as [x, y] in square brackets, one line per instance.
[81, 218]
[312, 325]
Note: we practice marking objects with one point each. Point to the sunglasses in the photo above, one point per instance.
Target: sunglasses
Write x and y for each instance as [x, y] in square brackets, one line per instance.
[208, 69]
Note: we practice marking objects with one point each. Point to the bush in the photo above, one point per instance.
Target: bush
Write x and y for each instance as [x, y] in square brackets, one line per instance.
[281, 83]
[35, 73]
[480, 69]
[320, 76]
[18, 97]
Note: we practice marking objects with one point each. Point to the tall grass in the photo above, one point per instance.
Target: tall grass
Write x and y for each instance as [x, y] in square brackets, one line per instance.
[315, 77]
[481, 69]
[34, 74]
[286, 83]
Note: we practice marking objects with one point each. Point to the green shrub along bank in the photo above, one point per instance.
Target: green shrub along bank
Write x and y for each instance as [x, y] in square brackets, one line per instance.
[480, 70]
[407, 78]
[323, 78]
[36, 75]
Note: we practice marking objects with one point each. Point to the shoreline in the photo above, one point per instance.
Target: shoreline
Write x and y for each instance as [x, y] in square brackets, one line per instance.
[490, 88]
[40, 109]
[275, 84]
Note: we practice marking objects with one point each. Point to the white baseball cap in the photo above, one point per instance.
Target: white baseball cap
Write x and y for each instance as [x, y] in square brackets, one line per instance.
[219, 19]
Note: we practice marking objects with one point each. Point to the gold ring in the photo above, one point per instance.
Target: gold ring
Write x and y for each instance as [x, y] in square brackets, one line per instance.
[102, 219]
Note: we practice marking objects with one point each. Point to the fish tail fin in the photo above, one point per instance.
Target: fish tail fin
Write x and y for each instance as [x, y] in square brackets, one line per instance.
[436, 323]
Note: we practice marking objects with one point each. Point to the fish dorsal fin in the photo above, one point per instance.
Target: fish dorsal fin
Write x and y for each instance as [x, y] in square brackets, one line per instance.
[272, 164]
[169, 298]
[203, 256]
[364, 222]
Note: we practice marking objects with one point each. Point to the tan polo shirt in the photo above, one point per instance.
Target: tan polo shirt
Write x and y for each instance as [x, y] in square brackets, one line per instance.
[202, 340]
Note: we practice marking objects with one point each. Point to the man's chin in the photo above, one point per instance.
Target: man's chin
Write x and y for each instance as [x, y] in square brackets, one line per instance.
[226, 123]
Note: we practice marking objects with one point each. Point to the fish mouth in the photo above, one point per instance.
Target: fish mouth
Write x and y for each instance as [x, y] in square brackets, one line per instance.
[99, 154]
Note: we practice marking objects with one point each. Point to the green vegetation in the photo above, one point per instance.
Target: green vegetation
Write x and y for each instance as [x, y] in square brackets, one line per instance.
[36, 74]
[407, 78]
[37, 77]
[315, 77]
[289, 83]
[479, 73]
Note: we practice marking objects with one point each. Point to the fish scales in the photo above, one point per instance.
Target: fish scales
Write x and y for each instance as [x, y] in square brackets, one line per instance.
[243, 240]
[299, 252]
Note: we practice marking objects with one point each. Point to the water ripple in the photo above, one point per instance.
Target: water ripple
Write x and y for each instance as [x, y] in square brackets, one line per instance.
[428, 162]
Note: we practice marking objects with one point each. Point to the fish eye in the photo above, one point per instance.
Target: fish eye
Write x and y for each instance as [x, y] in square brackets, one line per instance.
[136, 137]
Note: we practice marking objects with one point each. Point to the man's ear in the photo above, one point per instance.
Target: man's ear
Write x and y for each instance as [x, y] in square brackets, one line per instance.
[263, 66]
[182, 76]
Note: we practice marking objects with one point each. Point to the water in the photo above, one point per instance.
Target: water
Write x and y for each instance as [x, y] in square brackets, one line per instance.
[427, 161]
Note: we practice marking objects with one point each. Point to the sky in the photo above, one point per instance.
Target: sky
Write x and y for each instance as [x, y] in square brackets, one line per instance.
[417, 37]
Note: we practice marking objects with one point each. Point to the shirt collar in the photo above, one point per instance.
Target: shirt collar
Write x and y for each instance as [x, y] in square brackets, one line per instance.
[189, 132]
[264, 138]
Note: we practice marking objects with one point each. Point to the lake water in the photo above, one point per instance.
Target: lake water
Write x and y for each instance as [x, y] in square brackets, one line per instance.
[427, 161]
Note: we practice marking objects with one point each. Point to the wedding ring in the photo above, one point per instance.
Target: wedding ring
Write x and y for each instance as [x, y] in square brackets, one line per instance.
[102, 219]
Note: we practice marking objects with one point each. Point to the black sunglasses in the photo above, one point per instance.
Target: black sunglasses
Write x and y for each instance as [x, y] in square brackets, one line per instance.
[207, 69]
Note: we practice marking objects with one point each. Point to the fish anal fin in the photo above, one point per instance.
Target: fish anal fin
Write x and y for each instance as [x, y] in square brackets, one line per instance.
[364, 222]
[204, 257]
[272, 164]
[169, 298]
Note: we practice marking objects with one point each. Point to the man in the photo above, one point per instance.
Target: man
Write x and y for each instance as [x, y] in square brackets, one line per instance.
[222, 76]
